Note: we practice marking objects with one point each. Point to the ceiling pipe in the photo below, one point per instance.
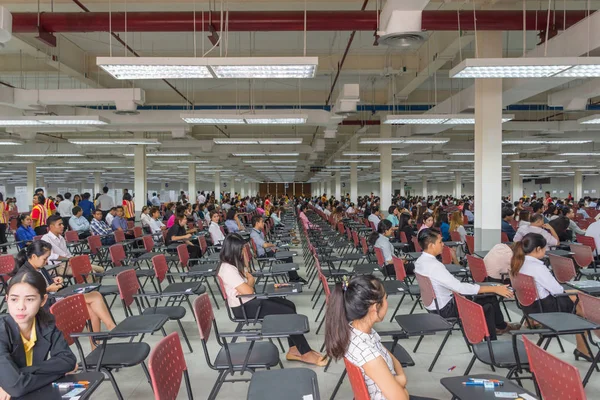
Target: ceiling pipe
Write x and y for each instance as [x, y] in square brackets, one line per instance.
[243, 21]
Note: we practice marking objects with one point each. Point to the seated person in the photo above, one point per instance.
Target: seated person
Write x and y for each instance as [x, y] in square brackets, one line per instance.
[381, 240]
[25, 232]
[444, 284]
[560, 224]
[155, 224]
[216, 235]
[507, 216]
[35, 256]
[79, 223]
[178, 232]
[237, 280]
[233, 223]
[33, 351]
[102, 229]
[443, 226]
[537, 225]
[497, 263]
[353, 309]
[110, 216]
[119, 223]
[527, 260]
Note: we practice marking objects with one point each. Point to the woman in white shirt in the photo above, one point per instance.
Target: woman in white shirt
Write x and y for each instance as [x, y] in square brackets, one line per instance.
[215, 230]
[155, 224]
[145, 217]
[353, 309]
[537, 225]
[381, 240]
[527, 260]
[237, 280]
[523, 218]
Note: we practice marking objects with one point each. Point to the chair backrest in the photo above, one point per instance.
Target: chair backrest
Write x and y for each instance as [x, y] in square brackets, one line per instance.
[128, 285]
[473, 319]
[590, 306]
[446, 255]
[81, 266]
[184, 255]
[117, 254]
[148, 243]
[416, 244]
[38, 237]
[399, 268]
[556, 378]
[202, 243]
[563, 268]
[159, 263]
[504, 237]
[455, 236]
[470, 243]
[138, 231]
[204, 315]
[359, 387]
[166, 365]
[7, 263]
[465, 220]
[586, 240]
[223, 291]
[477, 267]
[379, 256]
[364, 245]
[355, 239]
[130, 224]
[119, 236]
[525, 290]
[94, 243]
[70, 315]
[325, 286]
[71, 237]
[403, 238]
[426, 288]
[583, 254]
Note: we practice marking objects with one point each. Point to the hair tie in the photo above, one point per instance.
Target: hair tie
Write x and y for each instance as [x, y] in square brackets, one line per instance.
[344, 283]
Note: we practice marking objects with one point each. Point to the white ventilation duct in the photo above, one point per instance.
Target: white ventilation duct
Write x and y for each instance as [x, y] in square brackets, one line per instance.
[5, 26]
[400, 24]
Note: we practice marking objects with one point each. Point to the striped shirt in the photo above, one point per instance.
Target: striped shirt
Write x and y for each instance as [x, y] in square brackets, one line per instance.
[50, 206]
[129, 209]
[39, 215]
[3, 213]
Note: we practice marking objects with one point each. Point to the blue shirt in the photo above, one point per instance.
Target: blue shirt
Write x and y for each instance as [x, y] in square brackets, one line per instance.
[509, 230]
[25, 234]
[393, 219]
[79, 224]
[119, 222]
[87, 207]
[259, 241]
[232, 226]
[445, 229]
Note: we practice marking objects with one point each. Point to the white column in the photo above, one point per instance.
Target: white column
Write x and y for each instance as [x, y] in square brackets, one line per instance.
[516, 182]
[488, 148]
[338, 185]
[232, 186]
[97, 182]
[243, 189]
[217, 186]
[139, 168]
[192, 183]
[31, 181]
[424, 180]
[402, 194]
[353, 183]
[41, 182]
[578, 193]
[385, 169]
[457, 185]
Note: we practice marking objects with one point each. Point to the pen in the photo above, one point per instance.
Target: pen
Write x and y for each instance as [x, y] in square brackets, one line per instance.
[485, 380]
[482, 383]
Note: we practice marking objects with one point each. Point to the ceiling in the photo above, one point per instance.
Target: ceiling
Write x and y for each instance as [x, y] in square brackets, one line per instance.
[391, 80]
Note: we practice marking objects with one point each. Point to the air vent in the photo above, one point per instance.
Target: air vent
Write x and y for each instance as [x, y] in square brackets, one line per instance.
[406, 41]
[126, 112]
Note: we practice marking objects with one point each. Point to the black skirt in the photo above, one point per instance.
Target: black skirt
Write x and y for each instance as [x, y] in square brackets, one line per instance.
[550, 304]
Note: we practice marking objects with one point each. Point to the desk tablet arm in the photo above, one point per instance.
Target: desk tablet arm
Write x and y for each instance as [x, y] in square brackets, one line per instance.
[102, 336]
[252, 337]
[517, 333]
[567, 295]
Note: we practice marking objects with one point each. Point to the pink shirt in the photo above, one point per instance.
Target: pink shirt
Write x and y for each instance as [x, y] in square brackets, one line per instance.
[231, 278]
[497, 261]
[171, 221]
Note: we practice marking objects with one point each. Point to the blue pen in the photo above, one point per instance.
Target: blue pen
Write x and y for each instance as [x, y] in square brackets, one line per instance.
[481, 383]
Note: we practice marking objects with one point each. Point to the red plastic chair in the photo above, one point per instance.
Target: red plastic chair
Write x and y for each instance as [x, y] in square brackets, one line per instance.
[203, 271]
[556, 379]
[359, 387]
[584, 257]
[97, 250]
[167, 366]
[379, 256]
[563, 268]
[586, 241]
[504, 237]
[465, 220]
[446, 255]
[477, 267]
[7, 265]
[416, 245]
[403, 238]
[470, 243]
[455, 236]
[412, 290]
[590, 306]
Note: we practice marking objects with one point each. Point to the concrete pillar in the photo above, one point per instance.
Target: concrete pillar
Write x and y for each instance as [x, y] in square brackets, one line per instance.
[97, 182]
[457, 185]
[338, 185]
[192, 183]
[578, 193]
[243, 189]
[402, 187]
[232, 186]
[385, 169]
[217, 186]
[516, 182]
[31, 181]
[424, 180]
[353, 183]
[488, 148]
[41, 182]
[139, 168]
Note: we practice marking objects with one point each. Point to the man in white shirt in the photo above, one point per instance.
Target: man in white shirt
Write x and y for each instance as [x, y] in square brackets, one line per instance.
[64, 207]
[110, 216]
[594, 231]
[444, 284]
[201, 198]
[105, 202]
[79, 223]
[537, 225]
[374, 217]
[327, 210]
[155, 200]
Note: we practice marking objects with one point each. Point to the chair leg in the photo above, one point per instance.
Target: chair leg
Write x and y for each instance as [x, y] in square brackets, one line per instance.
[470, 365]
[320, 326]
[320, 311]
[185, 336]
[437, 355]
[418, 343]
[215, 389]
[591, 370]
[562, 349]
[143, 364]
[338, 385]
[506, 310]
[417, 301]
[212, 294]
[397, 307]
[187, 298]
[328, 364]
[111, 377]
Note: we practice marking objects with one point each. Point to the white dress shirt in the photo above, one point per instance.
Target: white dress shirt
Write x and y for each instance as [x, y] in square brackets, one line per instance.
[525, 229]
[105, 202]
[65, 208]
[145, 219]
[201, 199]
[386, 247]
[109, 219]
[545, 283]
[215, 233]
[594, 231]
[59, 247]
[374, 219]
[443, 282]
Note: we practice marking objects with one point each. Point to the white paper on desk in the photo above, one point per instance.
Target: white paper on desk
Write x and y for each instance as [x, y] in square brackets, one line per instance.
[525, 396]
[307, 397]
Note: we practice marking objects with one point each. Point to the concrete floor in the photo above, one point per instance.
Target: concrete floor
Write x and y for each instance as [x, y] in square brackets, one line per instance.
[134, 385]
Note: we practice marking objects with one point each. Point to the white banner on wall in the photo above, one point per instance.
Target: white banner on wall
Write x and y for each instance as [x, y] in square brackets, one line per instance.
[23, 201]
[62, 190]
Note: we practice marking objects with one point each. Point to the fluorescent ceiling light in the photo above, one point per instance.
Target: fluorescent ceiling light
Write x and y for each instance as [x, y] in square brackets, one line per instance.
[575, 141]
[209, 67]
[579, 154]
[230, 119]
[91, 162]
[405, 141]
[182, 162]
[72, 120]
[10, 142]
[280, 141]
[572, 166]
[48, 155]
[102, 142]
[472, 154]
[528, 67]
[17, 162]
[362, 153]
[257, 141]
[356, 161]
[539, 161]
[20, 121]
[436, 119]
[160, 154]
[592, 119]
[265, 154]
[261, 120]
[448, 161]
[84, 170]
[191, 119]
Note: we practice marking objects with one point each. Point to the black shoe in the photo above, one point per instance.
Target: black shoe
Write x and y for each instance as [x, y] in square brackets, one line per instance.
[579, 354]
[301, 280]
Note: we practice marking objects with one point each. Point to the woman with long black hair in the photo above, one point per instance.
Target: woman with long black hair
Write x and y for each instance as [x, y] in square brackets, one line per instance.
[237, 280]
[381, 240]
[527, 260]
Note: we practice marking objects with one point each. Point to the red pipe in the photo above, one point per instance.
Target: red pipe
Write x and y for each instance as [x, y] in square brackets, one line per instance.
[282, 21]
